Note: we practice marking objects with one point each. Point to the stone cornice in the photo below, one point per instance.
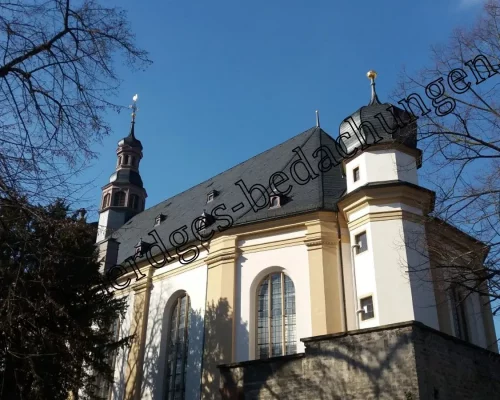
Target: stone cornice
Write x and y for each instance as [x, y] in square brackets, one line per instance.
[221, 256]
[388, 192]
[143, 284]
[313, 243]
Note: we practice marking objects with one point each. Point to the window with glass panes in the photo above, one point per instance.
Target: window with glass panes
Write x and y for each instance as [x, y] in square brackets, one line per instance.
[177, 349]
[276, 319]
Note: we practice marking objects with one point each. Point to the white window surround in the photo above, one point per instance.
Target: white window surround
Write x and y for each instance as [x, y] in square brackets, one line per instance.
[302, 307]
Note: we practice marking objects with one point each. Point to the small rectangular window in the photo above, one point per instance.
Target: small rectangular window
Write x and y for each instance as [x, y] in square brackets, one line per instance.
[361, 243]
[367, 308]
[355, 174]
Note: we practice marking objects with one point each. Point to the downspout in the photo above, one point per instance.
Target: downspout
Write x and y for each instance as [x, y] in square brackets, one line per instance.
[341, 263]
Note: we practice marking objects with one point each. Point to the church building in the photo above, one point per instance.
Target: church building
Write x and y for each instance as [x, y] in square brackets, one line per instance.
[311, 270]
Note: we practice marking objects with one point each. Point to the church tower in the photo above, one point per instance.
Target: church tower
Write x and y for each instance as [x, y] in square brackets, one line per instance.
[384, 207]
[124, 196]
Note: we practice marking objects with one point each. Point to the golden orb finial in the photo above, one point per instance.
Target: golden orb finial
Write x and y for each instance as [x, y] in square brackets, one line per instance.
[371, 74]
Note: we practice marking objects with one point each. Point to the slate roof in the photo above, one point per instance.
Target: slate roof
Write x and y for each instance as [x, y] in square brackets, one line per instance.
[322, 193]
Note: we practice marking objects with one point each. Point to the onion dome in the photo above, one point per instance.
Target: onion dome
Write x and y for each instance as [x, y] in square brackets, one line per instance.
[131, 140]
[378, 123]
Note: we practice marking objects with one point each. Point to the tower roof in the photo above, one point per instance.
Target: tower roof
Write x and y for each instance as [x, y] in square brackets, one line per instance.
[131, 140]
[389, 123]
[126, 176]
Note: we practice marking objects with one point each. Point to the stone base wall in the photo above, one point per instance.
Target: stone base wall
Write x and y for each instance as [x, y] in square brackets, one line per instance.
[406, 361]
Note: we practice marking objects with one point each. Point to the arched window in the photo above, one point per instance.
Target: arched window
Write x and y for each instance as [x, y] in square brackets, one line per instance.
[125, 160]
[134, 202]
[119, 199]
[133, 161]
[105, 201]
[177, 347]
[119, 160]
[276, 316]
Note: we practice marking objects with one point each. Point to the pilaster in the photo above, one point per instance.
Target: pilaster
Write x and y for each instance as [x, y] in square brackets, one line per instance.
[138, 325]
[327, 311]
[220, 322]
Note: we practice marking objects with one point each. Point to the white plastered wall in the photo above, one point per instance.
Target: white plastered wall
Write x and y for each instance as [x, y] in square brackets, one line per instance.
[381, 165]
[365, 276]
[381, 273]
[163, 296]
[251, 268]
[421, 281]
[109, 220]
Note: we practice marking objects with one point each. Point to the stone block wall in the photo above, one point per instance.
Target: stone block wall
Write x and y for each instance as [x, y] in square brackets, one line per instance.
[406, 361]
[450, 369]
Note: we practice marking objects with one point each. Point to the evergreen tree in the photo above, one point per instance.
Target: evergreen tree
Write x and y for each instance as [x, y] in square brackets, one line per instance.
[55, 317]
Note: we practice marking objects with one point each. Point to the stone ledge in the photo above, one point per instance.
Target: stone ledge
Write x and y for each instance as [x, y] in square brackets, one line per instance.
[398, 326]
[359, 331]
[278, 359]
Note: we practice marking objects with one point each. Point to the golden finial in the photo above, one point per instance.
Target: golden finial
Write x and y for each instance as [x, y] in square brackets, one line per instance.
[372, 75]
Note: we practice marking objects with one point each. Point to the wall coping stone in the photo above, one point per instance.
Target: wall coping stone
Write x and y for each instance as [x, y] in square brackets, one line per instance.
[278, 359]
[331, 336]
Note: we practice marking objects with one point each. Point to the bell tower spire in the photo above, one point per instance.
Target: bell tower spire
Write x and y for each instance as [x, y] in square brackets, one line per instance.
[124, 196]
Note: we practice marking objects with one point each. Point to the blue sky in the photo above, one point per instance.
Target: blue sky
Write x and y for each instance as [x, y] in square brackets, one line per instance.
[234, 78]
[231, 79]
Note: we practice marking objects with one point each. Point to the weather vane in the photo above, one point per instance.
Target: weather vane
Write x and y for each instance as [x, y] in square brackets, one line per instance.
[133, 106]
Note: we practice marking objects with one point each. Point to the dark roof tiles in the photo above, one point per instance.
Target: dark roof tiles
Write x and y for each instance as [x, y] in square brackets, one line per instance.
[323, 192]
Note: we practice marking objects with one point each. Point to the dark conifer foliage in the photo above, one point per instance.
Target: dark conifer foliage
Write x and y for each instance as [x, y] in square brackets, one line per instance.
[55, 318]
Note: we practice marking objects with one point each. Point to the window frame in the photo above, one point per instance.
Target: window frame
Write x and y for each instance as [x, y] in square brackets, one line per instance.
[134, 201]
[363, 314]
[106, 200]
[176, 309]
[356, 174]
[277, 201]
[115, 202]
[284, 333]
[359, 248]
[459, 313]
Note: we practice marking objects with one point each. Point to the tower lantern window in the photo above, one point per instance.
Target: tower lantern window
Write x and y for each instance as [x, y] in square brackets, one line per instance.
[119, 199]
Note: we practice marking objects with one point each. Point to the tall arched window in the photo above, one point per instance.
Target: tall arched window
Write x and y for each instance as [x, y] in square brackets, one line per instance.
[276, 316]
[119, 199]
[177, 347]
